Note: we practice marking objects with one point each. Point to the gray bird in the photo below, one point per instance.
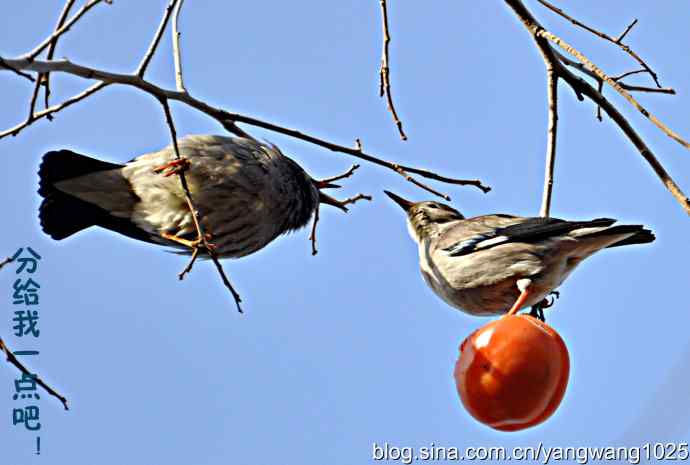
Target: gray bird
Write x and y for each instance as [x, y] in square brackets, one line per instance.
[247, 193]
[492, 264]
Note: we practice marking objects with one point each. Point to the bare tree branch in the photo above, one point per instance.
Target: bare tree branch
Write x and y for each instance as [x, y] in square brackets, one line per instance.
[65, 27]
[201, 243]
[581, 87]
[652, 90]
[357, 152]
[607, 37]
[384, 73]
[228, 119]
[179, 82]
[582, 68]
[13, 360]
[156, 40]
[312, 235]
[600, 83]
[5, 261]
[202, 237]
[355, 199]
[603, 76]
[627, 29]
[190, 264]
[54, 109]
[615, 78]
[552, 87]
[34, 98]
[3, 64]
[328, 200]
[345, 175]
[49, 111]
[45, 80]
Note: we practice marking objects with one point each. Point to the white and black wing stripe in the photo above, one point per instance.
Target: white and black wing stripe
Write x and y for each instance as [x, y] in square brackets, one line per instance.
[529, 230]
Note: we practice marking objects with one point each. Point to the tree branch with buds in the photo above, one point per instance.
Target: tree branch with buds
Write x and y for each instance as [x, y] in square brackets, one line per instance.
[557, 68]
[227, 119]
[384, 72]
[12, 359]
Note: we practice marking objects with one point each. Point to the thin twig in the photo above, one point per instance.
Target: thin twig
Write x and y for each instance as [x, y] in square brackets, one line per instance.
[617, 86]
[652, 90]
[384, 73]
[34, 98]
[141, 70]
[581, 87]
[604, 36]
[600, 88]
[600, 82]
[584, 69]
[13, 360]
[627, 29]
[5, 262]
[552, 86]
[625, 75]
[65, 27]
[202, 235]
[179, 82]
[228, 119]
[355, 198]
[54, 109]
[403, 172]
[312, 235]
[48, 112]
[5, 65]
[340, 204]
[338, 177]
[45, 79]
[202, 238]
[188, 268]
[357, 152]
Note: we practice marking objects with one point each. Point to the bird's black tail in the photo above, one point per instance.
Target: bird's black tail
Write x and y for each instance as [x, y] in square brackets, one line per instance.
[61, 214]
[642, 235]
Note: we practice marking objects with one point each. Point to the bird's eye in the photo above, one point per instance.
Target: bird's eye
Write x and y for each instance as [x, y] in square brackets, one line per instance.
[434, 206]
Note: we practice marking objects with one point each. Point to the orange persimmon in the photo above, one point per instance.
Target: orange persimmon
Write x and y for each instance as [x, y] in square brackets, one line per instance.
[512, 373]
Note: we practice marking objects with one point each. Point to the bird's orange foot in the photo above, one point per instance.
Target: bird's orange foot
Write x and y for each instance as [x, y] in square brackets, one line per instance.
[523, 286]
[195, 244]
[173, 167]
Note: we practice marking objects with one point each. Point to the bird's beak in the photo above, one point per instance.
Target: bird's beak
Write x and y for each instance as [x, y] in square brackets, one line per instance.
[404, 204]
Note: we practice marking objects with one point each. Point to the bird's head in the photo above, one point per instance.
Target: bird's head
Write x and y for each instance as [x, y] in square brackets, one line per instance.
[424, 218]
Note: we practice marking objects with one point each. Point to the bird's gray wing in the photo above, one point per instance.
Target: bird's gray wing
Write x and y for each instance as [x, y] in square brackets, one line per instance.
[466, 232]
[489, 231]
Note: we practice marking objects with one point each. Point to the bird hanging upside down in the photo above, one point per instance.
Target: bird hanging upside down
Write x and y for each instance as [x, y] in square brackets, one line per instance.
[247, 193]
[493, 264]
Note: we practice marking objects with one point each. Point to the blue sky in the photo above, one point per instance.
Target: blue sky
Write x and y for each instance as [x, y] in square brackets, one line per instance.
[338, 351]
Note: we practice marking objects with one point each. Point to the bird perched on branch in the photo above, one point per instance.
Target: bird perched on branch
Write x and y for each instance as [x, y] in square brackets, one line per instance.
[246, 193]
[493, 264]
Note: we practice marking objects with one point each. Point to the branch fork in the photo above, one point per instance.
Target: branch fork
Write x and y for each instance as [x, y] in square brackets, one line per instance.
[326, 199]
[557, 68]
